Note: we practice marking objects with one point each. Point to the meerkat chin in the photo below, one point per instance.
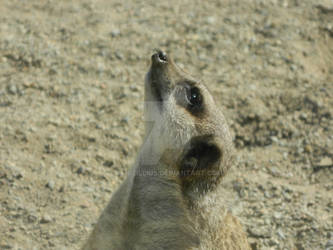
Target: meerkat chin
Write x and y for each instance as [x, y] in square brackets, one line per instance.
[171, 197]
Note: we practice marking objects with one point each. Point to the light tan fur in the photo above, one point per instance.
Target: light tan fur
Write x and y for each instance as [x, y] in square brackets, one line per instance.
[171, 198]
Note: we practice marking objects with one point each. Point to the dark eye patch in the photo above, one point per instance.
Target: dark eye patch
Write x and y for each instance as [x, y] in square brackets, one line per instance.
[189, 97]
[193, 96]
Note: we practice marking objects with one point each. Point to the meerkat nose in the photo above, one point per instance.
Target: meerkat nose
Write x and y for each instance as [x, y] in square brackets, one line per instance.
[162, 56]
[159, 57]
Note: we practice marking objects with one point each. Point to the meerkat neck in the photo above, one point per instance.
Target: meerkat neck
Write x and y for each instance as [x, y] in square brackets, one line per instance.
[155, 205]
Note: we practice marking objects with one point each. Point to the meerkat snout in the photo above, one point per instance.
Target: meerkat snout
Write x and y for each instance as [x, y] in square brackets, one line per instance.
[159, 57]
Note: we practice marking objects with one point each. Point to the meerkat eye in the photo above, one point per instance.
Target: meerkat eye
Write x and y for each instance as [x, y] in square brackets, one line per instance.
[193, 96]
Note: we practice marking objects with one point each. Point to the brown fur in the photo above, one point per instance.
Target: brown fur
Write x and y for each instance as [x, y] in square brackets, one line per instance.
[171, 198]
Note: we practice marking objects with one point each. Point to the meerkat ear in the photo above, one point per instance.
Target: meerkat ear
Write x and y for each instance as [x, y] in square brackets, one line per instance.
[201, 154]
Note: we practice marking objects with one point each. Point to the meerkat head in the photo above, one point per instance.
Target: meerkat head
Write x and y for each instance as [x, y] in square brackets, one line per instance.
[180, 114]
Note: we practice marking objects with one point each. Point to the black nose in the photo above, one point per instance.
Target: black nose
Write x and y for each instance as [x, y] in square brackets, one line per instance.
[160, 57]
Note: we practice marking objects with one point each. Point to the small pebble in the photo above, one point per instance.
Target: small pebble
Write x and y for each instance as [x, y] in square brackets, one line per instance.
[12, 89]
[45, 219]
[50, 185]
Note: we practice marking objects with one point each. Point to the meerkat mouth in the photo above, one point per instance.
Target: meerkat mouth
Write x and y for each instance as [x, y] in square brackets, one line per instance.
[156, 91]
[154, 88]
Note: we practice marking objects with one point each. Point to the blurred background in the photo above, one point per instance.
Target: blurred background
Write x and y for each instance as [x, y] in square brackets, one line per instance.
[71, 110]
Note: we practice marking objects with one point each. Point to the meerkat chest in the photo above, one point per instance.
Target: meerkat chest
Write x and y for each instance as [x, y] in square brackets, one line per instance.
[215, 225]
[209, 219]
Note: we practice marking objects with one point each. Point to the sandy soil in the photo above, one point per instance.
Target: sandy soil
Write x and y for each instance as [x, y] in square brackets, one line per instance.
[71, 100]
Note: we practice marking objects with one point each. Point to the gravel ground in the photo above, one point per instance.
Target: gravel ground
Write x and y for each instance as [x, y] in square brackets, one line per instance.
[71, 104]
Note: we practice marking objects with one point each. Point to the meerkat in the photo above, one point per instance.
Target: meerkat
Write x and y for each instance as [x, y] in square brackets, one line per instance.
[170, 198]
